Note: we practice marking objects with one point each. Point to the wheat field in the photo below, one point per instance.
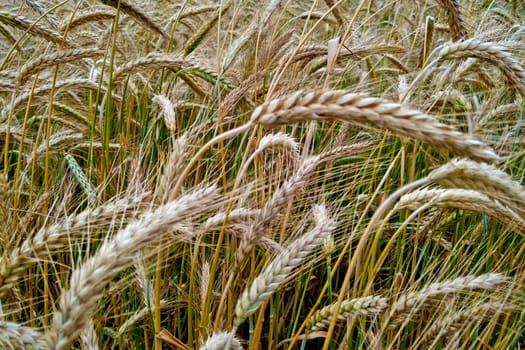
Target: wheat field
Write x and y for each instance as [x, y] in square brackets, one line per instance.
[235, 174]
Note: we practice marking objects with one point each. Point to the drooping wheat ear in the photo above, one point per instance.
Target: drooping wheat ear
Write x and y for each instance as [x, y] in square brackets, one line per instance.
[88, 338]
[197, 38]
[74, 83]
[492, 52]
[274, 205]
[15, 135]
[210, 76]
[168, 111]
[410, 303]
[484, 178]
[139, 315]
[87, 17]
[4, 30]
[81, 177]
[236, 216]
[278, 140]
[138, 15]
[48, 60]
[31, 27]
[15, 336]
[461, 199]
[230, 100]
[56, 237]
[219, 341]
[59, 141]
[250, 32]
[283, 264]
[455, 321]
[152, 61]
[309, 52]
[365, 306]
[363, 110]
[454, 18]
[87, 282]
[194, 11]
[335, 12]
[73, 114]
[342, 151]
[173, 167]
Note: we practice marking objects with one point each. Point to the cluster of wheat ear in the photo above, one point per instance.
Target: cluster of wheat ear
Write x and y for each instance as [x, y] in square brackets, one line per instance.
[244, 175]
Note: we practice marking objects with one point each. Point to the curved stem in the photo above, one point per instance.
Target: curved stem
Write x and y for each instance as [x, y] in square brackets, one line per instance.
[362, 245]
[202, 150]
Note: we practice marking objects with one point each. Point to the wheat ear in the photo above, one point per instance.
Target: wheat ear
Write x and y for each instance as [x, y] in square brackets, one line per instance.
[409, 303]
[88, 281]
[456, 320]
[15, 336]
[221, 341]
[274, 205]
[461, 199]
[365, 306]
[31, 27]
[280, 268]
[138, 15]
[44, 61]
[363, 110]
[57, 236]
[491, 52]
[485, 178]
[454, 18]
